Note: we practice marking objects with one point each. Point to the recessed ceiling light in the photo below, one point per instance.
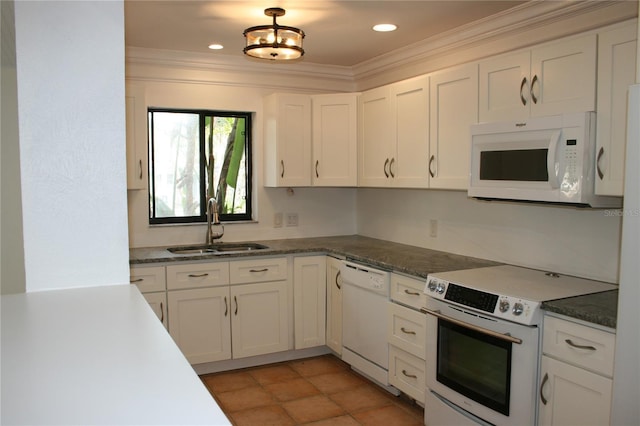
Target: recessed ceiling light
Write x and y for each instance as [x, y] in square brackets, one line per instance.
[216, 46]
[383, 28]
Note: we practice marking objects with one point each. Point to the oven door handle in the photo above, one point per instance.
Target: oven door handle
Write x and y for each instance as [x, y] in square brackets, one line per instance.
[482, 330]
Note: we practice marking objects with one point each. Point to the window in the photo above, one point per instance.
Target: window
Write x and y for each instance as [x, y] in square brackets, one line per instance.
[195, 155]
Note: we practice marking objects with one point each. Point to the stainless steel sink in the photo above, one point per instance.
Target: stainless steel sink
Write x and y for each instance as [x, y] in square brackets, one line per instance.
[218, 248]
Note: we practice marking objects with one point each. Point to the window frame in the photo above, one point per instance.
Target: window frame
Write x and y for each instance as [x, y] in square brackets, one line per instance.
[202, 217]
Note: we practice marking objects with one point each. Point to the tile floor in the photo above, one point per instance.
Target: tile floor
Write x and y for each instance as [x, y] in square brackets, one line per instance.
[313, 391]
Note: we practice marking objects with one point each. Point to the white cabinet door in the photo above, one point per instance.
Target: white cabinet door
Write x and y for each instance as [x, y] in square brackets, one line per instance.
[158, 303]
[260, 318]
[500, 79]
[572, 396]
[616, 72]
[335, 139]
[199, 323]
[454, 107]
[408, 167]
[287, 139]
[334, 305]
[309, 301]
[136, 132]
[563, 76]
[375, 137]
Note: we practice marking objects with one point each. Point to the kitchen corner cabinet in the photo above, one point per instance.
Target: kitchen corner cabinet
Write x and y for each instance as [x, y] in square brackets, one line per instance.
[553, 78]
[393, 146]
[152, 284]
[616, 72]
[334, 140]
[576, 374]
[309, 300]
[334, 305]
[136, 136]
[454, 107]
[287, 140]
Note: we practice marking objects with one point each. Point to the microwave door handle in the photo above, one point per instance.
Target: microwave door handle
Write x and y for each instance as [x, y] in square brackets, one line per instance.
[551, 160]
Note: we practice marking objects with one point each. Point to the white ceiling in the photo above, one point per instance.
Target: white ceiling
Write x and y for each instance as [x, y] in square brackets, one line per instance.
[337, 32]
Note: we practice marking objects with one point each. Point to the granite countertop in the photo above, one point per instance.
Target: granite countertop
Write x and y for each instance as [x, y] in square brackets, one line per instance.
[387, 255]
[599, 308]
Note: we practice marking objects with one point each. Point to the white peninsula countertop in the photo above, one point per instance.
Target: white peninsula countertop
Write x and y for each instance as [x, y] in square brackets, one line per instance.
[95, 356]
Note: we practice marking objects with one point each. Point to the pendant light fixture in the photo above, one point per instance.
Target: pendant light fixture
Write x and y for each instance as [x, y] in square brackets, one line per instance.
[274, 42]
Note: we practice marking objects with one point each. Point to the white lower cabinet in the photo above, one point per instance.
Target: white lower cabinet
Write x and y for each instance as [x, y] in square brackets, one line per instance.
[406, 334]
[334, 305]
[151, 282]
[576, 374]
[199, 323]
[233, 310]
[309, 301]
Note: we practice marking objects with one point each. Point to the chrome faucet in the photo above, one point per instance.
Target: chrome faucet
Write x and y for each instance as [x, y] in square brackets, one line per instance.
[213, 220]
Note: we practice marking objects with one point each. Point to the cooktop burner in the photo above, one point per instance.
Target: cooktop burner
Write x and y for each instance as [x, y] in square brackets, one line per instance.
[509, 292]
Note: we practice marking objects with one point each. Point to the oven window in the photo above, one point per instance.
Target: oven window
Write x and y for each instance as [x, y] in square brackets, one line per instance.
[521, 165]
[475, 364]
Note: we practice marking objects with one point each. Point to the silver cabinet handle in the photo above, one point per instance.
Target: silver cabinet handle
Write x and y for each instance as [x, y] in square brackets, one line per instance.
[137, 280]
[405, 331]
[236, 301]
[522, 98]
[226, 308]
[317, 175]
[197, 275]
[140, 168]
[412, 293]
[577, 346]
[533, 82]
[337, 283]
[393, 160]
[412, 376]
[600, 154]
[282, 166]
[386, 163]
[259, 270]
[161, 312]
[544, 381]
[431, 160]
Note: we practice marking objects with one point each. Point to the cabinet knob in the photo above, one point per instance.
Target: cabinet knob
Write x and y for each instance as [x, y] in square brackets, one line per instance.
[600, 154]
[386, 163]
[431, 160]
[533, 82]
[282, 168]
[393, 160]
[317, 175]
[522, 98]
[544, 381]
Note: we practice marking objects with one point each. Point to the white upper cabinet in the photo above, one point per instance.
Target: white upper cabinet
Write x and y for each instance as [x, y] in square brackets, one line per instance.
[393, 147]
[136, 132]
[287, 140]
[616, 72]
[454, 107]
[335, 143]
[550, 79]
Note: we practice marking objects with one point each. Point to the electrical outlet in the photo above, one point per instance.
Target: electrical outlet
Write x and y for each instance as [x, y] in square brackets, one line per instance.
[277, 220]
[292, 219]
[433, 228]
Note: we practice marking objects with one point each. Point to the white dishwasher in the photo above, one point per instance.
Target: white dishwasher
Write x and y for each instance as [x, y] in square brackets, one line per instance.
[364, 321]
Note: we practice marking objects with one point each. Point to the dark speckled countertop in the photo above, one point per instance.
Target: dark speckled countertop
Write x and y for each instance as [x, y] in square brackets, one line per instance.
[599, 308]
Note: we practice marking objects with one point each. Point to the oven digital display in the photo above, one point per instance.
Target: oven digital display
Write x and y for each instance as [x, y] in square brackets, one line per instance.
[472, 298]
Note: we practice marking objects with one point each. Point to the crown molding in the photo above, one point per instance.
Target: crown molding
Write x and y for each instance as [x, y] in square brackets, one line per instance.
[510, 23]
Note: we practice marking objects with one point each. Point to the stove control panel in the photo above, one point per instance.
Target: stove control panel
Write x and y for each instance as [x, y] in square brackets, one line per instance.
[501, 306]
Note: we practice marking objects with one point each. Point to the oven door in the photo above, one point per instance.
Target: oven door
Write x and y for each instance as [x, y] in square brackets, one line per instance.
[481, 365]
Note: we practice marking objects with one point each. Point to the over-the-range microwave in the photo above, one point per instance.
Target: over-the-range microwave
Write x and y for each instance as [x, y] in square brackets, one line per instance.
[543, 159]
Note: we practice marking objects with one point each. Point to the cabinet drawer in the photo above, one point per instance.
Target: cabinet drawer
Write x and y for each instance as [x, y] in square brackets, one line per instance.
[258, 270]
[406, 372]
[148, 278]
[408, 291]
[406, 329]
[579, 345]
[196, 275]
